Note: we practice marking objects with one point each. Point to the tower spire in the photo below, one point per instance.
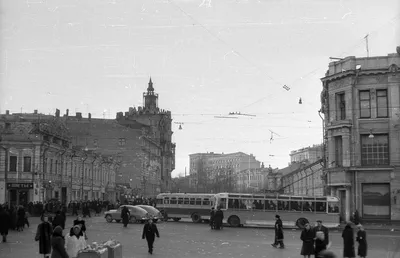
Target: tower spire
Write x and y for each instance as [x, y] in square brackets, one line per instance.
[150, 88]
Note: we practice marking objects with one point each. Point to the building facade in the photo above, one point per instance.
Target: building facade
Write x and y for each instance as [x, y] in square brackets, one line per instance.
[217, 171]
[253, 180]
[38, 163]
[360, 102]
[309, 154]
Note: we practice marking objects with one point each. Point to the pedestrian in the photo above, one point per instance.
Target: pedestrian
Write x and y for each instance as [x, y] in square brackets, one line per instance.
[26, 221]
[125, 215]
[75, 241]
[149, 232]
[348, 242]
[81, 222]
[58, 244]
[58, 220]
[307, 236]
[5, 221]
[362, 241]
[278, 233]
[218, 218]
[212, 215]
[321, 234]
[20, 218]
[43, 235]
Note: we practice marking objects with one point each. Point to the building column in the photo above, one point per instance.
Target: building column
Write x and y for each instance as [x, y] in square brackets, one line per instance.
[348, 199]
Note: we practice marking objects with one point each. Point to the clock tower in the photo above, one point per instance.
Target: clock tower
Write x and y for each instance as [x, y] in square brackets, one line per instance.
[150, 99]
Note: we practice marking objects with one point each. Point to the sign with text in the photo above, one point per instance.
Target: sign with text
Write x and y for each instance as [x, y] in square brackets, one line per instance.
[19, 185]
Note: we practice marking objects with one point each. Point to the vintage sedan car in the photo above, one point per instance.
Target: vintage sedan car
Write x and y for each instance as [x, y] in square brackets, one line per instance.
[137, 214]
[154, 213]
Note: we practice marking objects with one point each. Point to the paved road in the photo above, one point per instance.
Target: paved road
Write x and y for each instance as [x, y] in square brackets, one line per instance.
[181, 239]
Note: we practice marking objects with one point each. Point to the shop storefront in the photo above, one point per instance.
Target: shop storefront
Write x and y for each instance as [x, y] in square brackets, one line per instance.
[376, 201]
[19, 193]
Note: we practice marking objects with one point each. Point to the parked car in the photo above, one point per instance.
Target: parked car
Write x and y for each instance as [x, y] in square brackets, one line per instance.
[154, 213]
[137, 214]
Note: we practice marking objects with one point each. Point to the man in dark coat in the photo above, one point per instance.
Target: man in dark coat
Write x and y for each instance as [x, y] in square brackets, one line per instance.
[362, 241]
[58, 220]
[43, 235]
[149, 232]
[58, 244]
[218, 218]
[125, 216]
[348, 242]
[278, 232]
[212, 217]
[317, 231]
[5, 221]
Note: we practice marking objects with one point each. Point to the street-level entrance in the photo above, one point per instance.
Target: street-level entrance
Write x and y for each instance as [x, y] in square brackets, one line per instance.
[19, 193]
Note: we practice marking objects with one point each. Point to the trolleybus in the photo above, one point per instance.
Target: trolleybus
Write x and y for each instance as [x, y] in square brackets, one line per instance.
[185, 205]
[259, 209]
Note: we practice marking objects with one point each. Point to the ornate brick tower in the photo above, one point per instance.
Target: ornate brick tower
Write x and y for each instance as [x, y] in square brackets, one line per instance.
[150, 99]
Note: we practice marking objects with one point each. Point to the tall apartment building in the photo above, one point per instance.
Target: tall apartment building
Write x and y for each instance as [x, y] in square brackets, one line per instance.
[361, 104]
[207, 168]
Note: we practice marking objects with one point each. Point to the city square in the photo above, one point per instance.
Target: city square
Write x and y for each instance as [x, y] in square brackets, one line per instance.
[186, 239]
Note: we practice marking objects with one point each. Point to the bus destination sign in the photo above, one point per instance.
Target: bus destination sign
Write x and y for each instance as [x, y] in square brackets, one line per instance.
[20, 185]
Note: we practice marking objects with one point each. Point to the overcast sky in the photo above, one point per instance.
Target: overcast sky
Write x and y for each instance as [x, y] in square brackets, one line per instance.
[206, 59]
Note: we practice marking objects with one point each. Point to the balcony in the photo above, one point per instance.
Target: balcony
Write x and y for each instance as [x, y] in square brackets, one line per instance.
[338, 177]
[339, 124]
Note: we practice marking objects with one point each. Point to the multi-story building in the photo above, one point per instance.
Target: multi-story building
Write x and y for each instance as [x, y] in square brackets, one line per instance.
[139, 139]
[303, 178]
[309, 154]
[253, 180]
[361, 104]
[208, 169]
[38, 162]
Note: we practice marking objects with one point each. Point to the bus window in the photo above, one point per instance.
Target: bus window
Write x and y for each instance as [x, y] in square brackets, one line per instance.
[295, 206]
[222, 204]
[173, 200]
[180, 200]
[206, 202]
[320, 206]
[246, 204]
[160, 201]
[333, 207]
[166, 200]
[258, 204]
[270, 205]
[186, 201]
[198, 201]
[283, 205]
[192, 201]
[231, 203]
[308, 206]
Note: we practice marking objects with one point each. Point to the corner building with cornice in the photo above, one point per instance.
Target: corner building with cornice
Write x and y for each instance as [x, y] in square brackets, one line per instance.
[361, 106]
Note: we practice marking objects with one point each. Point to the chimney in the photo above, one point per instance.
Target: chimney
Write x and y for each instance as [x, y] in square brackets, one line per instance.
[57, 113]
[67, 114]
[90, 116]
[35, 112]
[79, 115]
[7, 112]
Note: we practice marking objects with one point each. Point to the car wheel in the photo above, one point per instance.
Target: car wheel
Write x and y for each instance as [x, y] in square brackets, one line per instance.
[196, 218]
[109, 218]
[132, 219]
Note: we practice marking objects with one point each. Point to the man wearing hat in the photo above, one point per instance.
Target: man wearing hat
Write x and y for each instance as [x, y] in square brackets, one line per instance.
[278, 233]
[322, 233]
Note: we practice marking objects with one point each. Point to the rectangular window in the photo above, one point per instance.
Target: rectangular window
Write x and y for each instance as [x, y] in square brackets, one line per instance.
[121, 141]
[340, 107]
[180, 200]
[56, 167]
[374, 150]
[365, 104]
[192, 201]
[51, 166]
[27, 164]
[338, 151]
[13, 163]
[198, 201]
[382, 103]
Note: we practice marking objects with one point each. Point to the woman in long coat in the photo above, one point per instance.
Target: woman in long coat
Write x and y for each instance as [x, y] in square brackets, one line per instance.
[4, 223]
[43, 235]
[278, 233]
[125, 215]
[307, 236]
[58, 244]
[362, 241]
[20, 218]
[218, 218]
[348, 242]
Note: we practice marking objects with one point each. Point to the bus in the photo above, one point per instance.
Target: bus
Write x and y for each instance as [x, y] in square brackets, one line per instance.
[260, 209]
[176, 206]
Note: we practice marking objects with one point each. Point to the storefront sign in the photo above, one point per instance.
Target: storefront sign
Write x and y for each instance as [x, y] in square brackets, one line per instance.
[19, 185]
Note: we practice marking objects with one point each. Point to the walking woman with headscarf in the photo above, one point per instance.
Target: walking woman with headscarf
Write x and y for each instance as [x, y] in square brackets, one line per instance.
[58, 244]
[43, 235]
